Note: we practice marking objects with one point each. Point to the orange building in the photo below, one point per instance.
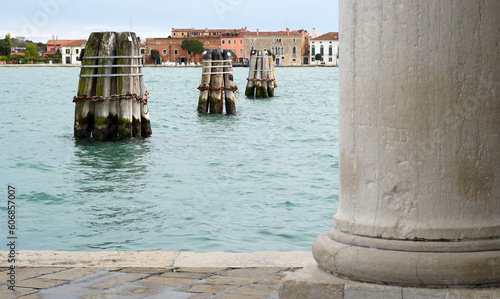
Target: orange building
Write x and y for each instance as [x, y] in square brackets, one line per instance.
[235, 44]
[171, 51]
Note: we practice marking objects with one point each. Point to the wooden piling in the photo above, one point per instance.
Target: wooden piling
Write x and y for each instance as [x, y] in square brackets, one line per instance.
[216, 82]
[272, 80]
[258, 75]
[228, 83]
[124, 86]
[250, 89]
[205, 82]
[265, 75]
[102, 120]
[136, 104]
[84, 108]
[145, 121]
[111, 89]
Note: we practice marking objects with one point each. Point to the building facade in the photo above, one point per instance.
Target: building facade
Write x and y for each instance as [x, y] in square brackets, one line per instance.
[328, 46]
[286, 46]
[71, 51]
[235, 44]
[171, 51]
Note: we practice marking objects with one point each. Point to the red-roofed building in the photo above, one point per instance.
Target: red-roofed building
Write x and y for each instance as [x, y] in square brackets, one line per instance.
[68, 47]
[71, 51]
[328, 46]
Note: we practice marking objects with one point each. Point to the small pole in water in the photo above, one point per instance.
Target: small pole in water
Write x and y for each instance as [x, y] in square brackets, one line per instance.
[216, 83]
[205, 82]
[228, 83]
[250, 89]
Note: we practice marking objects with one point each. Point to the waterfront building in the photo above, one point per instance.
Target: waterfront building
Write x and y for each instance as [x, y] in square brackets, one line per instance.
[327, 45]
[286, 46]
[71, 51]
[235, 43]
[171, 51]
[191, 32]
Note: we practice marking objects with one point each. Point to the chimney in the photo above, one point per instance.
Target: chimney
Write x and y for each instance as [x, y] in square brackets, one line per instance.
[287, 31]
[257, 31]
[314, 32]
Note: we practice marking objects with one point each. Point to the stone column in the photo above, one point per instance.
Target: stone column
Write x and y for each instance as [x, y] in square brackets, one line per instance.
[419, 144]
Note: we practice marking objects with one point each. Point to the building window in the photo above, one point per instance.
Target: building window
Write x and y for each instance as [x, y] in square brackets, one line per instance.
[68, 60]
[241, 51]
[228, 41]
[294, 51]
[294, 40]
[176, 52]
[158, 42]
[313, 50]
[67, 51]
[251, 49]
[330, 59]
[164, 52]
[282, 51]
[234, 42]
[252, 40]
[77, 51]
[321, 50]
[223, 42]
[272, 49]
[294, 60]
[330, 50]
[241, 42]
[142, 51]
[206, 43]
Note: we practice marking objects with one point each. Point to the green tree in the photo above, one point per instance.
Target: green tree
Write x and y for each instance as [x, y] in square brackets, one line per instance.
[58, 56]
[192, 46]
[233, 55]
[4, 47]
[317, 57]
[155, 56]
[8, 40]
[30, 52]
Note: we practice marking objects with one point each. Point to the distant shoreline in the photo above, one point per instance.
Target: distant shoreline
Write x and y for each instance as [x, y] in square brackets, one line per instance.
[147, 65]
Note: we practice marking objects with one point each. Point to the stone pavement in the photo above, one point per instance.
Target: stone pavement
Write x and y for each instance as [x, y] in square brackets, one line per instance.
[176, 275]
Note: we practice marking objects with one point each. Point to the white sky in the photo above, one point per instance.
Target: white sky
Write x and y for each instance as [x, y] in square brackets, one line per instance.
[37, 20]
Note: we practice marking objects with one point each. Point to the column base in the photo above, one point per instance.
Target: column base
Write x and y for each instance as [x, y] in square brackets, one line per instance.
[313, 283]
[409, 263]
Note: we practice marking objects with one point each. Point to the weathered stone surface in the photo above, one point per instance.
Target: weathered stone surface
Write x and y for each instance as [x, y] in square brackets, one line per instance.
[252, 272]
[103, 259]
[168, 281]
[256, 289]
[311, 283]
[119, 279]
[220, 279]
[240, 260]
[205, 288]
[419, 146]
[40, 283]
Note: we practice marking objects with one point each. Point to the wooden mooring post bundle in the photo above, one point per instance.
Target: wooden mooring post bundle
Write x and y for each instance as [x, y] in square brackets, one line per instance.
[112, 100]
[217, 83]
[261, 75]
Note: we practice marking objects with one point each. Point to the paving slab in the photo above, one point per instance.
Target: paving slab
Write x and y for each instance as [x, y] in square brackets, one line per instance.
[100, 259]
[252, 272]
[167, 281]
[242, 260]
[231, 280]
[205, 288]
[118, 280]
[256, 289]
[18, 291]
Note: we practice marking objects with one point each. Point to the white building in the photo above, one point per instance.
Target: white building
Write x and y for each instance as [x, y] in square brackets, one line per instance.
[71, 50]
[328, 46]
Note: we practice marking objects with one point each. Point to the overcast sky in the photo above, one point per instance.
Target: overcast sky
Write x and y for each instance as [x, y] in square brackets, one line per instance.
[37, 20]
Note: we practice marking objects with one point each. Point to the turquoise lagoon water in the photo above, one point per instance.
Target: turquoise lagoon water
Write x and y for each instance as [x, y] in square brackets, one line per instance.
[263, 179]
